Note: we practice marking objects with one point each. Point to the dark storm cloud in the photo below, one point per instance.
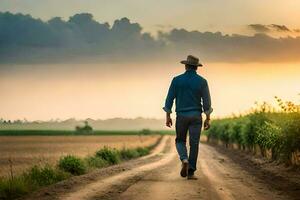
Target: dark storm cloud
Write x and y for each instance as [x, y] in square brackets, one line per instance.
[259, 28]
[24, 39]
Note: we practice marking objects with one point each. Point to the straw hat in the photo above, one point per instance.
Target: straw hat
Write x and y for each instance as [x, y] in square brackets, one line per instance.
[191, 60]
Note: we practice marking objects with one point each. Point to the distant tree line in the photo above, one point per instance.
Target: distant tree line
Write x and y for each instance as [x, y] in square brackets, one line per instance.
[84, 129]
[18, 121]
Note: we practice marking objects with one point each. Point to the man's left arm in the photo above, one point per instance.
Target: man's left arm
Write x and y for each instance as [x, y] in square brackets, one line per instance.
[206, 99]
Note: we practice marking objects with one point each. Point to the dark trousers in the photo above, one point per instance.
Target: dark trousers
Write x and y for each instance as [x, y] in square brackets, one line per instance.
[193, 125]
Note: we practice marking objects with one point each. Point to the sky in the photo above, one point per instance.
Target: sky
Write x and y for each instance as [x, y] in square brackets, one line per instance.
[79, 66]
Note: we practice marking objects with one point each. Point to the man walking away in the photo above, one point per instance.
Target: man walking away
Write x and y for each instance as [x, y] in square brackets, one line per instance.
[192, 98]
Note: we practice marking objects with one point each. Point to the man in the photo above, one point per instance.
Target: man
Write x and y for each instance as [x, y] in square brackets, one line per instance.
[192, 99]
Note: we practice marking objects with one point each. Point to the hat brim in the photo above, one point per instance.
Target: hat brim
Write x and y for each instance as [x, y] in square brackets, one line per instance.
[185, 62]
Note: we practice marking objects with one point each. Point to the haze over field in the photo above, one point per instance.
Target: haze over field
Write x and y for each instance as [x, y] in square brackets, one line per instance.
[80, 66]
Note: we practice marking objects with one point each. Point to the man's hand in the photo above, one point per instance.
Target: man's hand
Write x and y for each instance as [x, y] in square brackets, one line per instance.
[206, 124]
[169, 122]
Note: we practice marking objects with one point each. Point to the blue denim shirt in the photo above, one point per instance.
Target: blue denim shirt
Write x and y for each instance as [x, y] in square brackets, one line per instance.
[191, 94]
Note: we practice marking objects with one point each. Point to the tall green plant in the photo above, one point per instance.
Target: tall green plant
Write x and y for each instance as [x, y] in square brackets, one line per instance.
[250, 130]
[235, 132]
[291, 130]
[269, 137]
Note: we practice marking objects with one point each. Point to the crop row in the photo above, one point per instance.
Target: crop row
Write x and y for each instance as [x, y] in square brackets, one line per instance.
[275, 135]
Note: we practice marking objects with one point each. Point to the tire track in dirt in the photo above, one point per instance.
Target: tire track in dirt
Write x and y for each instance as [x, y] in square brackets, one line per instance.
[106, 185]
[218, 178]
[165, 183]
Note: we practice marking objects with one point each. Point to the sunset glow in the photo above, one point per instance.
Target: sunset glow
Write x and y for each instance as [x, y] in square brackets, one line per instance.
[137, 90]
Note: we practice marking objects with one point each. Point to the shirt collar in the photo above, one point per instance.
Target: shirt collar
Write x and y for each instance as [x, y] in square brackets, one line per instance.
[191, 71]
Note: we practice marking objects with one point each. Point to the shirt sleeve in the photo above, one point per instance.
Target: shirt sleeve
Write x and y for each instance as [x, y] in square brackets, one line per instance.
[170, 98]
[206, 99]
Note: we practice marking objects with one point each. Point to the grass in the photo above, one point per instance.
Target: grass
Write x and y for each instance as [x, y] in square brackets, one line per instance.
[14, 187]
[127, 154]
[112, 156]
[95, 162]
[74, 133]
[30, 180]
[72, 165]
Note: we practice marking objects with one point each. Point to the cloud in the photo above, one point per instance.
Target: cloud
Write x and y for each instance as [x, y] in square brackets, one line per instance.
[24, 39]
[297, 30]
[163, 26]
[259, 27]
[235, 48]
[280, 28]
[262, 28]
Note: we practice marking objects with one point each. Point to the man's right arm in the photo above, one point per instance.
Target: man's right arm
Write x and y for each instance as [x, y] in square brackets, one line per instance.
[169, 103]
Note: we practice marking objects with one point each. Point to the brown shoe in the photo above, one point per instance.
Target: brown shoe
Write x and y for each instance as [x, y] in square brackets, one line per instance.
[184, 168]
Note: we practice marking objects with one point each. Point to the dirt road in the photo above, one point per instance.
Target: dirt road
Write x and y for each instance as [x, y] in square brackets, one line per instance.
[157, 177]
